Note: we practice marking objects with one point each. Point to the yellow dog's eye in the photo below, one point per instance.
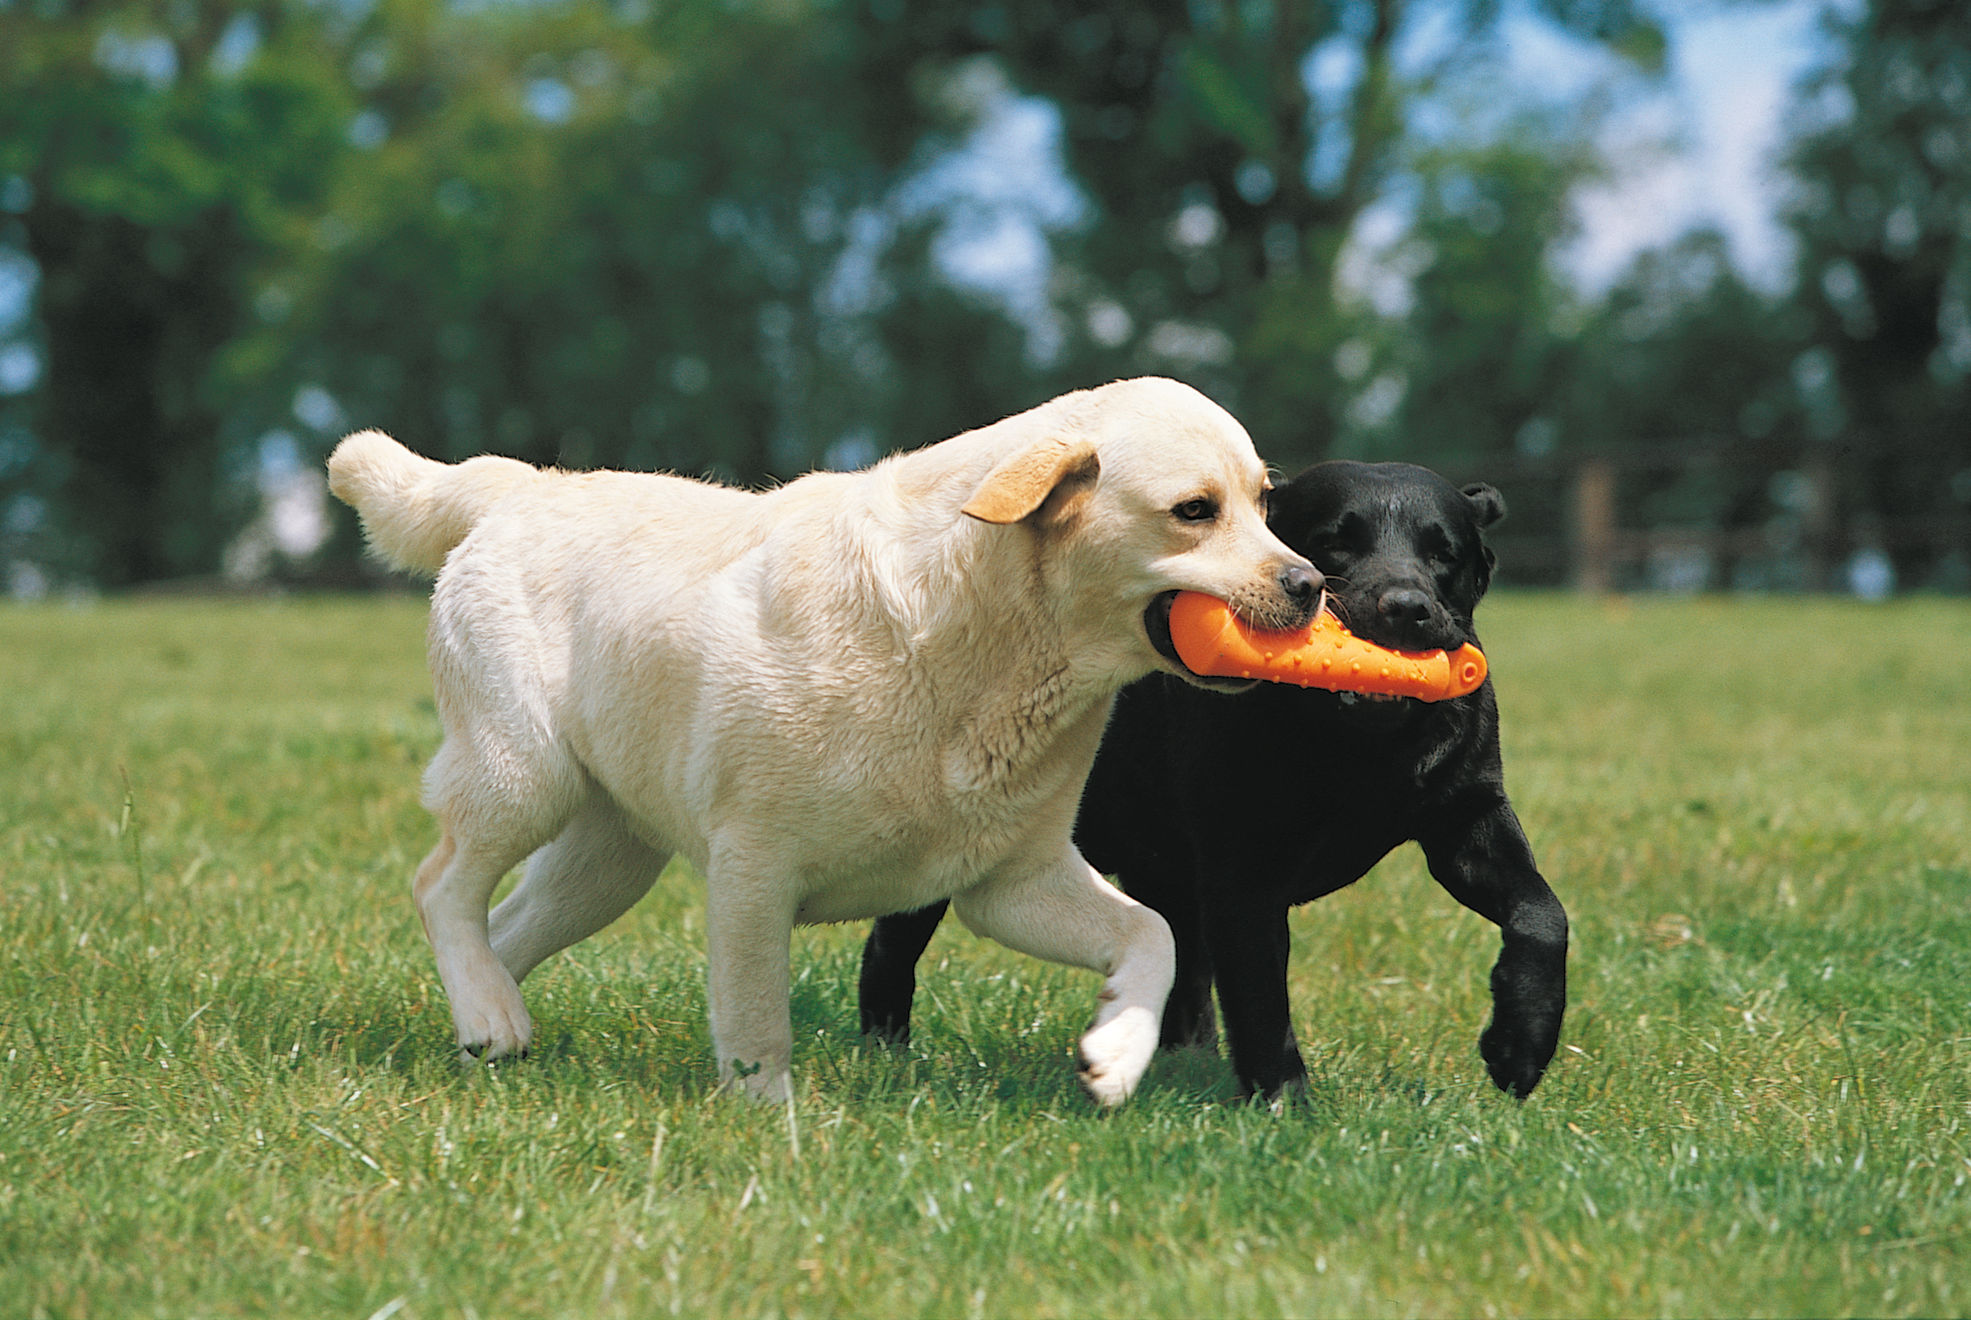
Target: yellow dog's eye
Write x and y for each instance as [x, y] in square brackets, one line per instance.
[1196, 510]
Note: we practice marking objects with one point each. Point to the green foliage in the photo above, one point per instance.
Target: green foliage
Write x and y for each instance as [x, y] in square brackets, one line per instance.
[577, 236]
[1227, 188]
[1885, 255]
[168, 154]
[1628, 28]
[1484, 349]
[226, 1084]
[697, 235]
[632, 266]
[1682, 347]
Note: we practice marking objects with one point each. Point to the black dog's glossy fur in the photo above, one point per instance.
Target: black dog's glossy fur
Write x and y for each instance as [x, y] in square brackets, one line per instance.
[1222, 812]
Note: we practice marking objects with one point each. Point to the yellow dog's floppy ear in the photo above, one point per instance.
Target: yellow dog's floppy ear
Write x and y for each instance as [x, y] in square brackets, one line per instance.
[1050, 475]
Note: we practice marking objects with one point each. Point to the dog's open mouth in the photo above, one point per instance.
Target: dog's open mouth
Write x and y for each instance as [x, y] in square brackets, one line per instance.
[1156, 623]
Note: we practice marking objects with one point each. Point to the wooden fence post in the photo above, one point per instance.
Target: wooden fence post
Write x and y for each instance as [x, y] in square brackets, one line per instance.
[1594, 525]
[1820, 525]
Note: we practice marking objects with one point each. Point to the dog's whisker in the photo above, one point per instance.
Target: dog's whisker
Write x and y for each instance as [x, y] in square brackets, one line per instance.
[1336, 605]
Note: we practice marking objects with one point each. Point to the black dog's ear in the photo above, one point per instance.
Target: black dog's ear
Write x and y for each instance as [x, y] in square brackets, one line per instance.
[1481, 572]
[1487, 505]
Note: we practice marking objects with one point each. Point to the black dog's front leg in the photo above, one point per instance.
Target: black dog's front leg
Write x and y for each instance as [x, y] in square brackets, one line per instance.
[1248, 943]
[1490, 869]
[1188, 1017]
[889, 970]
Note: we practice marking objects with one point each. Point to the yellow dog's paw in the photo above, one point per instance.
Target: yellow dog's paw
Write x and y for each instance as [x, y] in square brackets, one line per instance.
[1113, 1055]
[773, 1086]
[495, 1032]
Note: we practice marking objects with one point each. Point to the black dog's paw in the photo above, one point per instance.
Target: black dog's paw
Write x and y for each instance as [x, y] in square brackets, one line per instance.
[889, 1032]
[1515, 1059]
[1288, 1094]
[1188, 1029]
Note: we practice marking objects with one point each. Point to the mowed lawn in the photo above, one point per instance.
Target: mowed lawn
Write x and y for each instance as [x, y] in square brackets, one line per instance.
[227, 1085]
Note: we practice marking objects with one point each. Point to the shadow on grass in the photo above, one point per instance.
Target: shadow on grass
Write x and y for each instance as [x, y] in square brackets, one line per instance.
[997, 1041]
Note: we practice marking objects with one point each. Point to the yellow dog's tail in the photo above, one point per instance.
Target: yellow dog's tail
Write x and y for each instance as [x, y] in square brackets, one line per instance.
[415, 510]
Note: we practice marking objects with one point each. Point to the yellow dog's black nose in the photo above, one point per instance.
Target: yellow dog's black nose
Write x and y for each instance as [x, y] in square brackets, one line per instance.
[1302, 582]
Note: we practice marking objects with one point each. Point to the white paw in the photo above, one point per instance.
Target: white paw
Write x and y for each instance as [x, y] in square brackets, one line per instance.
[773, 1086]
[1113, 1055]
[493, 1031]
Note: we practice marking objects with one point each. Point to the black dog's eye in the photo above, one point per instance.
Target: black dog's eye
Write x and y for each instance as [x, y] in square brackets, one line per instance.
[1196, 510]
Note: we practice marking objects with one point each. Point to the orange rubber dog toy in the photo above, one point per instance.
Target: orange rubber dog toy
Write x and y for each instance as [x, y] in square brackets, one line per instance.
[1215, 642]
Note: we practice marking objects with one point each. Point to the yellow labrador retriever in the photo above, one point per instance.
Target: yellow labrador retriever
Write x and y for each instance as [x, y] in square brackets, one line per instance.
[853, 695]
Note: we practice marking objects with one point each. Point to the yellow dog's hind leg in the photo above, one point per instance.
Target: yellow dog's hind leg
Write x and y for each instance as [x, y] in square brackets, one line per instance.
[591, 874]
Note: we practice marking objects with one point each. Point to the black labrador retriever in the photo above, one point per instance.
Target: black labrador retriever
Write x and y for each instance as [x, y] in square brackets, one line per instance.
[1222, 812]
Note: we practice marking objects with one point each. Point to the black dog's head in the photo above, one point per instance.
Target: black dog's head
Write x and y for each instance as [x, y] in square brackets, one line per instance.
[1401, 548]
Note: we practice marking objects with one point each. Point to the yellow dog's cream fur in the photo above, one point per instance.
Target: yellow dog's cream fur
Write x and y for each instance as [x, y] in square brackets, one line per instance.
[852, 695]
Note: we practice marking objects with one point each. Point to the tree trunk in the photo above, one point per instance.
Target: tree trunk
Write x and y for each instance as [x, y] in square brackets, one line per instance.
[127, 353]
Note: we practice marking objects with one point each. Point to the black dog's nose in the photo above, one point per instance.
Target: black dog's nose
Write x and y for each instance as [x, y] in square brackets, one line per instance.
[1302, 584]
[1404, 605]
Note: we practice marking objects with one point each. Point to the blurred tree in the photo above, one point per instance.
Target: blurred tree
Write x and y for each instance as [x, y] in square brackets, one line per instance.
[1488, 341]
[1883, 221]
[1682, 349]
[1229, 148]
[950, 360]
[588, 239]
[157, 155]
[698, 235]
[575, 233]
[1682, 373]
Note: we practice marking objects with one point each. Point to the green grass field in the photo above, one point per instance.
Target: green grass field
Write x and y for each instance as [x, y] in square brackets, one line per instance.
[227, 1087]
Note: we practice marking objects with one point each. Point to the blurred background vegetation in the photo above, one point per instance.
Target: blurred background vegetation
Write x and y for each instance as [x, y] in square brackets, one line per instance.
[750, 237]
